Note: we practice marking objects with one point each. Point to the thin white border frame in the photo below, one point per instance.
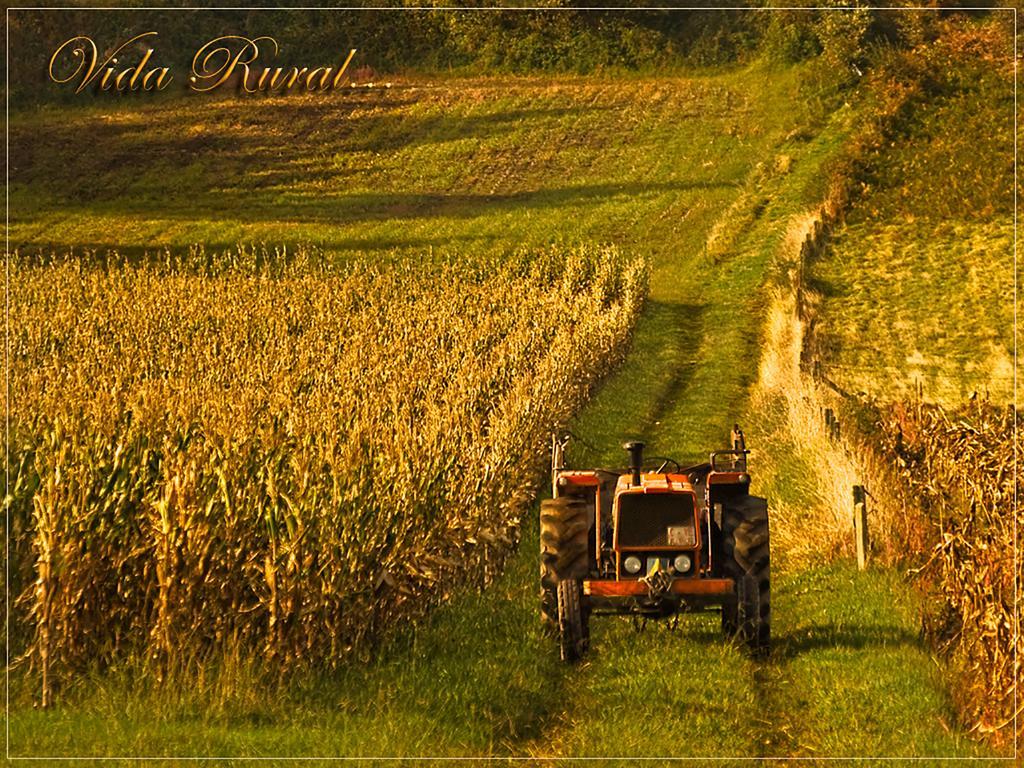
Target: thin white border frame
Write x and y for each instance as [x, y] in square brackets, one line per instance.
[7, 754]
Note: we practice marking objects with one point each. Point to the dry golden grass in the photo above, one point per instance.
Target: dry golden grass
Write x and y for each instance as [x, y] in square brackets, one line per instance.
[259, 449]
[816, 523]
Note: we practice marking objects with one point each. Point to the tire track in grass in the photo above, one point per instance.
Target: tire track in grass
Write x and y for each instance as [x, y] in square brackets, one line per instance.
[656, 692]
[775, 731]
[687, 693]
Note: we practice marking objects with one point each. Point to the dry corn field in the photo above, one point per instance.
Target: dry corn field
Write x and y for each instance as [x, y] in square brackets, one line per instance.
[957, 467]
[262, 450]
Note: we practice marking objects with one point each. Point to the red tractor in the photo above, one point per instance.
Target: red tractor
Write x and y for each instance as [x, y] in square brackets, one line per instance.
[654, 540]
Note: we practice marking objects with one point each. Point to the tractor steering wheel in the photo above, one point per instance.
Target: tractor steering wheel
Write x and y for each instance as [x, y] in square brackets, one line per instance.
[664, 463]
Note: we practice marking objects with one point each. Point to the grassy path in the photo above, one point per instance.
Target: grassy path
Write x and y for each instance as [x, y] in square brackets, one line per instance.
[698, 175]
[849, 675]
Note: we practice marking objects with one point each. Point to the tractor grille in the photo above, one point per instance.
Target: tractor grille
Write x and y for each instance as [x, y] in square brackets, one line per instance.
[645, 520]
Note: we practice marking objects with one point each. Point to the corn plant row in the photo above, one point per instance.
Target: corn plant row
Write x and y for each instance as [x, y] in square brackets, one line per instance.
[957, 466]
[267, 451]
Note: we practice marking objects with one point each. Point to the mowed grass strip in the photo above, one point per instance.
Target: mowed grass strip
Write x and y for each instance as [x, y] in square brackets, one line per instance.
[851, 675]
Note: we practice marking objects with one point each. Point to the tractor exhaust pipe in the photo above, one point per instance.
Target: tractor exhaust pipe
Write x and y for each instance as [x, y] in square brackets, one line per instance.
[636, 459]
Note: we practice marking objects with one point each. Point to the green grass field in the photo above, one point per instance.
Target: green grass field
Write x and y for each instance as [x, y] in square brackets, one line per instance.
[698, 175]
[445, 167]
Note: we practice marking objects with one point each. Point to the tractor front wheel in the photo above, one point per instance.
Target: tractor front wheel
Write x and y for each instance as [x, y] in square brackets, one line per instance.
[564, 529]
[573, 623]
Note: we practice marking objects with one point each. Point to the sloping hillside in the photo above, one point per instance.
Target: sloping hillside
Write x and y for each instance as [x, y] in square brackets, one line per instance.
[916, 289]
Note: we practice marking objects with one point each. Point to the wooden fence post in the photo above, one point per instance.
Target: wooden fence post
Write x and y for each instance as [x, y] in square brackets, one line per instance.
[831, 425]
[860, 525]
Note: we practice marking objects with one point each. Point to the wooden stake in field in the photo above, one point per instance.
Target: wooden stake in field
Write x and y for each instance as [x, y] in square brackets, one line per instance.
[860, 525]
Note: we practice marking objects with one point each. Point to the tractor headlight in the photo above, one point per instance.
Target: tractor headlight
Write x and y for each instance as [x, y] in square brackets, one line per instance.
[682, 563]
[632, 564]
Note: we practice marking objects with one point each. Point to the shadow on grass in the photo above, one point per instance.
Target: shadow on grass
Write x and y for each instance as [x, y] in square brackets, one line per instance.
[685, 322]
[245, 206]
[817, 637]
[796, 642]
[244, 140]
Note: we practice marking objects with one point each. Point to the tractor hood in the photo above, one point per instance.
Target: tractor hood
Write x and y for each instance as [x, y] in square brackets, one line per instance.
[652, 482]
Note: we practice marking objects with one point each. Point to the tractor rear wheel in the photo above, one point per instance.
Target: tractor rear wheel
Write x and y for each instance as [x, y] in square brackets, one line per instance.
[747, 559]
[564, 531]
[573, 622]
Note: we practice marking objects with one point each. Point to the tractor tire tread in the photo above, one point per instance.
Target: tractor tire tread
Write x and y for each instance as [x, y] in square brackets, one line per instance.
[747, 552]
[564, 546]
